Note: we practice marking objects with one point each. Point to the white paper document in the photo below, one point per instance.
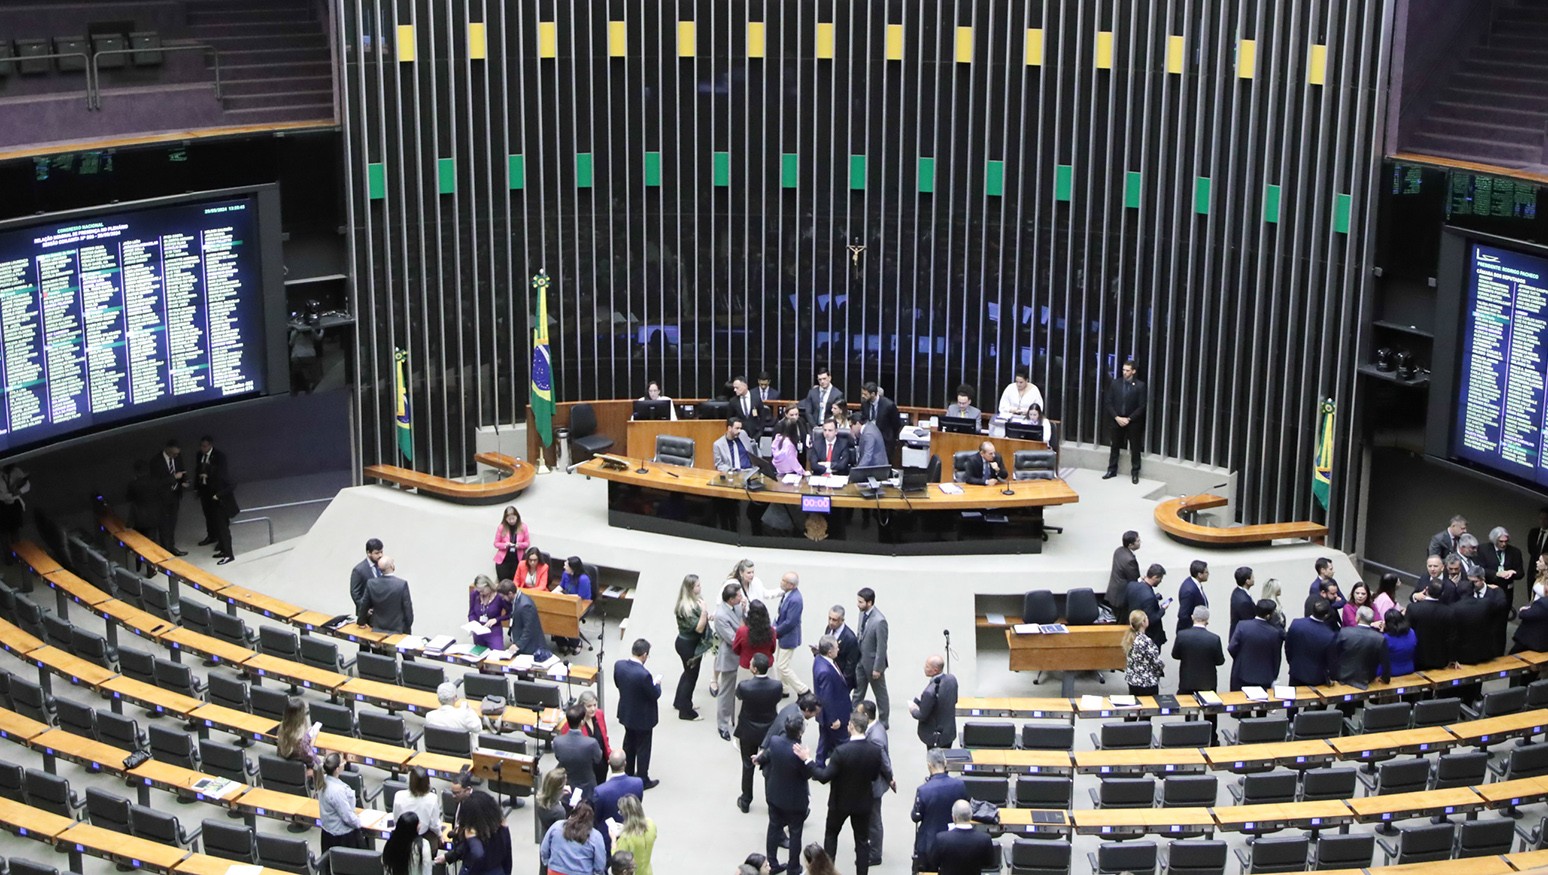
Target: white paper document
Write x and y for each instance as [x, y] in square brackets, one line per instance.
[1283, 692]
[1256, 694]
[1027, 629]
[995, 619]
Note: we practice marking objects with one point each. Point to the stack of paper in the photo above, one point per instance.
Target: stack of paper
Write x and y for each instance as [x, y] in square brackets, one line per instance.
[1209, 697]
[548, 663]
[1027, 629]
[439, 643]
[995, 619]
[521, 662]
[1284, 692]
[1123, 701]
[1092, 703]
[1255, 694]
[950, 488]
[411, 643]
[473, 628]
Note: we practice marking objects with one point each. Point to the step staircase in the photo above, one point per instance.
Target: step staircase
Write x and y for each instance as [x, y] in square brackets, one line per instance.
[276, 65]
[1494, 108]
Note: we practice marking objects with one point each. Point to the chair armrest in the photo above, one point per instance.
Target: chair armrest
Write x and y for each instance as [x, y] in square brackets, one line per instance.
[1530, 836]
[1236, 792]
[1096, 800]
[1352, 728]
[345, 665]
[1096, 742]
[313, 865]
[1389, 850]
[1369, 782]
[1244, 858]
[188, 838]
[411, 737]
[1470, 712]
[77, 803]
[1091, 858]
[1498, 768]
[1161, 855]
[1229, 736]
[368, 796]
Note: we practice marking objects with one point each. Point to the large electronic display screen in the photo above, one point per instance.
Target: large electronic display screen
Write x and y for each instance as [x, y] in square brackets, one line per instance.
[112, 316]
[1500, 415]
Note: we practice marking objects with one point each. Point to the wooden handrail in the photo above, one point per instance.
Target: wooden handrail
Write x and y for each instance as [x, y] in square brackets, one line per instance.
[518, 476]
[1169, 519]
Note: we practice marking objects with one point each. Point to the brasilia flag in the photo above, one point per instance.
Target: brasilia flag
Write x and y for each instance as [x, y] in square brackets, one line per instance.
[542, 395]
[1322, 473]
[402, 418]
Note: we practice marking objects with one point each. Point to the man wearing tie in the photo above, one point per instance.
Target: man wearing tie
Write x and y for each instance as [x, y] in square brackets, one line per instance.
[876, 407]
[1191, 595]
[365, 570]
[210, 469]
[872, 447]
[1445, 541]
[821, 398]
[830, 455]
[733, 452]
[1125, 407]
[746, 405]
[171, 480]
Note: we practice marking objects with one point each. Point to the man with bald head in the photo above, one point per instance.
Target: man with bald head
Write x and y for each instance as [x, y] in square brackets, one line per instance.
[387, 604]
[960, 849]
[986, 468]
[936, 707]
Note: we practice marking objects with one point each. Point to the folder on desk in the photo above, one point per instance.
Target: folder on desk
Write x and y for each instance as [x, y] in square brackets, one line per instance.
[1282, 691]
[1027, 629]
[1208, 697]
[1256, 694]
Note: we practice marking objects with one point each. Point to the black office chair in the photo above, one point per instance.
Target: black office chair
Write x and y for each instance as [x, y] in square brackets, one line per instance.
[56, 631]
[1122, 736]
[226, 761]
[477, 686]
[283, 643]
[386, 729]
[1266, 788]
[959, 463]
[1498, 703]
[1275, 855]
[51, 793]
[322, 653]
[228, 841]
[1345, 851]
[266, 702]
[119, 731]
[992, 735]
[107, 810]
[176, 747]
[1314, 725]
[1189, 791]
[1391, 717]
[584, 440]
[1044, 791]
[1527, 761]
[76, 718]
[423, 676]
[177, 677]
[1484, 838]
[1420, 844]
[159, 601]
[233, 630]
[1321, 785]
[353, 861]
[337, 719]
[534, 695]
[228, 690]
[1437, 712]
[29, 700]
[1080, 607]
[157, 826]
[985, 788]
[933, 474]
[1038, 606]
[1461, 769]
[286, 855]
[1048, 736]
[1399, 776]
[282, 775]
[1258, 730]
[1188, 734]
[1194, 857]
[1033, 857]
[1125, 793]
[1112, 858]
[1034, 465]
[672, 449]
[12, 779]
[377, 667]
[450, 742]
[196, 617]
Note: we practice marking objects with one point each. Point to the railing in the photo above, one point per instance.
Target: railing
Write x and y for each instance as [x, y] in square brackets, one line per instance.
[94, 74]
[269, 523]
[258, 519]
[90, 68]
[1388, 569]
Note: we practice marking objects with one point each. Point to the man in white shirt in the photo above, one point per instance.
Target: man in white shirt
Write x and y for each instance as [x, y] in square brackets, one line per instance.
[454, 713]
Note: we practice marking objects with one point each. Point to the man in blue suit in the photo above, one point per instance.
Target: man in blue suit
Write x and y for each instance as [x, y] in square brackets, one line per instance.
[1190, 594]
[833, 697]
[638, 693]
[1255, 650]
[786, 784]
[788, 631]
[1141, 596]
[849, 646]
[1309, 647]
[932, 804]
[609, 792]
[871, 449]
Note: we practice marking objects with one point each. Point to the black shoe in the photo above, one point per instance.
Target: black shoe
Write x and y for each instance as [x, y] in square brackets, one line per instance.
[776, 868]
[725, 735]
[875, 861]
[784, 842]
[176, 552]
[651, 783]
[226, 559]
[518, 803]
[206, 542]
[1109, 475]
[1136, 477]
[743, 804]
[690, 715]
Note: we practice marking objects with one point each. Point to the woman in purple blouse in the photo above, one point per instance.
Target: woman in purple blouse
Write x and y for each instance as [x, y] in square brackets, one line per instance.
[486, 607]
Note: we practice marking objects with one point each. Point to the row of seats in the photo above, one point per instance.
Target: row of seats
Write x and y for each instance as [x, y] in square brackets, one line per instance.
[29, 56]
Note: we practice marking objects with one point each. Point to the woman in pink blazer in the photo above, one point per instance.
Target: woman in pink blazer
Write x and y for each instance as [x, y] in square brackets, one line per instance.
[511, 541]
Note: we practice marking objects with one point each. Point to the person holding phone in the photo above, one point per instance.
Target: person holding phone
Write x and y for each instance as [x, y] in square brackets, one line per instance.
[1141, 596]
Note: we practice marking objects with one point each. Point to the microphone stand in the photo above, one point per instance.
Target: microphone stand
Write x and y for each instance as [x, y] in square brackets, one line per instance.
[947, 633]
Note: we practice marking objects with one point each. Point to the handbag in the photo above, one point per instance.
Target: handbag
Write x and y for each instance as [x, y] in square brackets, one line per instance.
[985, 812]
[492, 706]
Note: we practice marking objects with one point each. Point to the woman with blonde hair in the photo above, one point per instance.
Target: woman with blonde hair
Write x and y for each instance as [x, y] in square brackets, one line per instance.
[552, 800]
[637, 835]
[1143, 667]
[692, 643]
[745, 575]
[1271, 591]
[293, 739]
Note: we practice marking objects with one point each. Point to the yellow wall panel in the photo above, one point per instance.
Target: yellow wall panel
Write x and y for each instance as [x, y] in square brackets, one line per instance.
[1317, 65]
[1034, 47]
[618, 39]
[478, 46]
[757, 39]
[964, 45]
[687, 39]
[1104, 50]
[1176, 51]
[1247, 58]
[548, 39]
[406, 52]
[825, 40]
[894, 42]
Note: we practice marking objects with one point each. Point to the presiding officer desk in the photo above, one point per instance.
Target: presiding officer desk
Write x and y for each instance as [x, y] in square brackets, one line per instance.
[690, 502]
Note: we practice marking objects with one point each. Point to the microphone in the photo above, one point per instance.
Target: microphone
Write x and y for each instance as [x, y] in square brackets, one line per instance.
[571, 468]
[668, 471]
[642, 469]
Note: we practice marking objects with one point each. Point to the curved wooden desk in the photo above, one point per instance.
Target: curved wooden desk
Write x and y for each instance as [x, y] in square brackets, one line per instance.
[518, 476]
[704, 504]
[1169, 519]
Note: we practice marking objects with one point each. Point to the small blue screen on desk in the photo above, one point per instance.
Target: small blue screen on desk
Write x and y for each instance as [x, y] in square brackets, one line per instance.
[816, 503]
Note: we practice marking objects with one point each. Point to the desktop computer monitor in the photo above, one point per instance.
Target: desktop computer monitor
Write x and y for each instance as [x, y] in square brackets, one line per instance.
[873, 472]
[648, 408]
[959, 424]
[1024, 431]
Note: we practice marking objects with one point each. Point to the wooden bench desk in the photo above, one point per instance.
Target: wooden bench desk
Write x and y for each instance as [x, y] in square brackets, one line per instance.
[77, 671]
[1294, 754]
[180, 639]
[1168, 517]
[16, 642]
[1500, 667]
[261, 802]
[392, 696]
[122, 615]
[1024, 762]
[1146, 707]
[441, 765]
[1283, 815]
[1024, 708]
[1401, 806]
[32, 823]
[1382, 745]
[1405, 685]
[560, 613]
[37, 560]
[1493, 865]
[20, 728]
[1021, 821]
[203, 864]
[1140, 821]
[505, 767]
[1161, 761]
[262, 665]
[518, 475]
[69, 588]
[367, 753]
[1513, 793]
[272, 608]
[151, 697]
[1525, 860]
[196, 577]
[1490, 730]
[134, 852]
[1082, 648]
[355, 633]
[254, 726]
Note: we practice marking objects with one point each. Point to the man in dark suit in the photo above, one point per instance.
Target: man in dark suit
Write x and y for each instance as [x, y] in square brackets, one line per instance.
[932, 805]
[871, 670]
[936, 707]
[578, 752]
[1190, 594]
[1537, 538]
[387, 601]
[1532, 633]
[850, 774]
[848, 644]
[1447, 540]
[878, 408]
[1360, 653]
[1328, 593]
[1141, 596]
[759, 696]
[816, 407]
[786, 777]
[1255, 649]
[748, 406]
[1502, 562]
[832, 695]
[1430, 616]
[210, 477]
[364, 571]
[610, 792]
[1125, 569]
[526, 631]
[1198, 653]
[1309, 647]
[1435, 572]
[1479, 615]
[171, 479]
[638, 692]
[1243, 606]
[830, 453]
[805, 707]
[870, 446]
[1124, 404]
[986, 468]
[960, 849]
[144, 497]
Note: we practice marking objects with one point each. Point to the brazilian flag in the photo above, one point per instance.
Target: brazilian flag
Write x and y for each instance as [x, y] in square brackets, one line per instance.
[1322, 473]
[401, 416]
[541, 399]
